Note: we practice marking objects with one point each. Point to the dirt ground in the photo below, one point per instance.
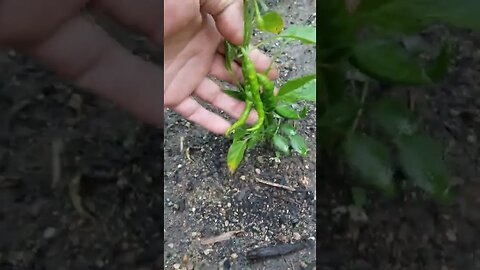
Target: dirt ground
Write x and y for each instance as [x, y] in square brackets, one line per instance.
[121, 162]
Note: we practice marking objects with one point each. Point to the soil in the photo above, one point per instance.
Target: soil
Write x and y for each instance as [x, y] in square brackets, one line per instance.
[121, 164]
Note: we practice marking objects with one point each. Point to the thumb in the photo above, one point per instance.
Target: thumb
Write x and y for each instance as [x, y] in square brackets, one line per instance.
[228, 16]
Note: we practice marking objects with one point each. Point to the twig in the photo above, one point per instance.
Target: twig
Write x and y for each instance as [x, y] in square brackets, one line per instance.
[74, 192]
[274, 184]
[360, 110]
[220, 238]
[57, 149]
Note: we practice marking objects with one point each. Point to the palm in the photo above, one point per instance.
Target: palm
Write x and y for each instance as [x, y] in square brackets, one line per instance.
[192, 52]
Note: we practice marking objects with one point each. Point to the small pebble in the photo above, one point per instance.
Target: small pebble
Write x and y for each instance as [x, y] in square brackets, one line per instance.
[303, 264]
[260, 159]
[170, 245]
[49, 233]
[451, 235]
[257, 170]
[195, 234]
[243, 177]
[234, 256]
[471, 138]
[207, 251]
[297, 236]
[176, 266]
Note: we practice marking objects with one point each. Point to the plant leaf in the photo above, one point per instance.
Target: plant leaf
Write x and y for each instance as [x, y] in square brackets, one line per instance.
[371, 159]
[411, 16]
[301, 88]
[394, 117]
[254, 139]
[273, 22]
[248, 22]
[298, 144]
[439, 68]
[359, 196]
[340, 114]
[288, 129]
[421, 160]
[281, 143]
[386, 60]
[239, 133]
[235, 94]
[230, 54]
[235, 155]
[287, 111]
[305, 34]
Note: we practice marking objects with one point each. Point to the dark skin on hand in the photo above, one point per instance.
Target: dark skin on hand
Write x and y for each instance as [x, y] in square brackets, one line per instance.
[61, 35]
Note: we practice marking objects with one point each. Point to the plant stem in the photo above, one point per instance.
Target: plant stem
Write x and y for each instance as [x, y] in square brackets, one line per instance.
[360, 110]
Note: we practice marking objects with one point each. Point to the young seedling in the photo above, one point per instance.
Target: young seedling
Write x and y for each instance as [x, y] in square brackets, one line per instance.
[275, 112]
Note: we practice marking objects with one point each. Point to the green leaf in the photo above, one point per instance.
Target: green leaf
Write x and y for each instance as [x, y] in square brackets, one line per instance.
[255, 138]
[386, 60]
[459, 13]
[371, 5]
[439, 68]
[235, 155]
[230, 54]
[421, 160]
[301, 88]
[340, 114]
[273, 22]
[411, 16]
[287, 111]
[239, 134]
[281, 143]
[402, 16]
[338, 30]
[235, 94]
[288, 129]
[359, 196]
[394, 117]
[371, 159]
[298, 144]
[303, 113]
[248, 22]
[305, 34]
[333, 83]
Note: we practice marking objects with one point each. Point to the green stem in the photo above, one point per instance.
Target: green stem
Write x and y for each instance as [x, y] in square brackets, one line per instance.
[360, 110]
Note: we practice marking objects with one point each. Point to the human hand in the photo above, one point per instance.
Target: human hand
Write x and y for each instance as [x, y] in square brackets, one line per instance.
[193, 34]
[61, 36]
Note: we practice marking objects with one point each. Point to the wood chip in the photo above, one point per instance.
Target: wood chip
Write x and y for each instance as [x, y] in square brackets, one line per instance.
[274, 184]
[74, 192]
[220, 238]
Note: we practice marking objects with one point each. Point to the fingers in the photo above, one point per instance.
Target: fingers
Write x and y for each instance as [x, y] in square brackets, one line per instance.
[142, 15]
[262, 62]
[228, 16]
[220, 72]
[191, 110]
[210, 92]
[83, 52]
[259, 59]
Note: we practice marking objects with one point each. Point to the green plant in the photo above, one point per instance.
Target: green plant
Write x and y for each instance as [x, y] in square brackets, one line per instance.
[275, 112]
[362, 42]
